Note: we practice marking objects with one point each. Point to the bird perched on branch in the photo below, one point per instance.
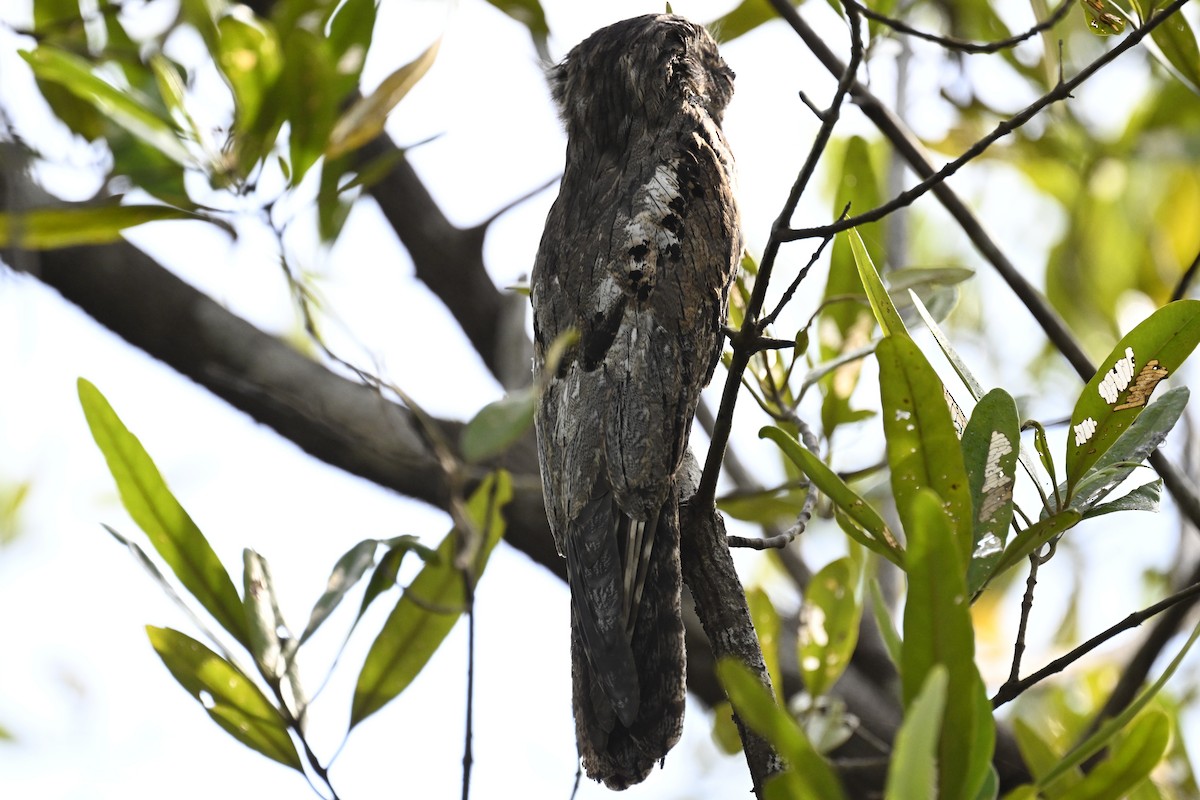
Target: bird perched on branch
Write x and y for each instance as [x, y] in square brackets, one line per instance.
[636, 261]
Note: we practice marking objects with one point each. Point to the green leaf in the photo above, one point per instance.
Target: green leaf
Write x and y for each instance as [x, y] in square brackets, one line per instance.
[150, 503]
[227, 695]
[1176, 43]
[884, 621]
[1130, 762]
[527, 12]
[1147, 497]
[810, 776]
[72, 226]
[1112, 726]
[263, 616]
[938, 630]
[765, 506]
[990, 445]
[498, 426]
[825, 479]
[429, 608]
[350, 32]
[725, 731]
[1042, 756]
[766, 626]
[364, 120]
[1132, 447]
[125, 109]
[1117, 394]
[912, 772]
[922, 447]
[846, 324]
[308, 86]
[250, 58]
[881, 302]
[1103, 17]
[384, 576]
[347, 572]
[829, 621]
[745, 17]
[1032, 538]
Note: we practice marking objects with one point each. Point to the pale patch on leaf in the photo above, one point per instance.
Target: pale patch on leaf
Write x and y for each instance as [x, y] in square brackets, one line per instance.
[1117, 378]
[1084, 431]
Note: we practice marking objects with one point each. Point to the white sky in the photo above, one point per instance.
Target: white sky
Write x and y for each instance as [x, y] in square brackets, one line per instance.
[96, 714]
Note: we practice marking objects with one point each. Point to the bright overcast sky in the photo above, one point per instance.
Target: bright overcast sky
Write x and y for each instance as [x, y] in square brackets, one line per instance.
[95, 713]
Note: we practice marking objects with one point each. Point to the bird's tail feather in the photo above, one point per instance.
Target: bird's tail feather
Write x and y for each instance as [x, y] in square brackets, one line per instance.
[619, 751]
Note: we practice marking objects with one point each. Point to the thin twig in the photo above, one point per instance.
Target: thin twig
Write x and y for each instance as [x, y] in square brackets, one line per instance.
[1185, 282]
[769, 319]
[1060, 92]
[1011, 689]
[962, 45]
[1014, 674]
[750, 329]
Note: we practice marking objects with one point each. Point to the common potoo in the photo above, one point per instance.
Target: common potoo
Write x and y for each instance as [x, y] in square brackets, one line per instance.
[637, 258]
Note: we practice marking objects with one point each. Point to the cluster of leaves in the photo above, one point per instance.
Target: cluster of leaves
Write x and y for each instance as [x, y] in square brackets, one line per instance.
[953, 494]
[294, 70]
[268, 711]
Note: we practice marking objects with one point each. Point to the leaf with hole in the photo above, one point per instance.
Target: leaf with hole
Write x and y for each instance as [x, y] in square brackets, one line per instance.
[829, 618]
[229, 697]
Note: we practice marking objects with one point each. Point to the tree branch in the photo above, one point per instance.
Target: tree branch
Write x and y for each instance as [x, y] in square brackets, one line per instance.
[1060, 92]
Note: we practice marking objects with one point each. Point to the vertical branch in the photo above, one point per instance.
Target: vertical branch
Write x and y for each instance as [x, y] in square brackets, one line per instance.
[744, 340]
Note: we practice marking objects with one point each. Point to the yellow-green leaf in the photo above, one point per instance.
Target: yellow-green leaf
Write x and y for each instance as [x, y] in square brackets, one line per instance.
[229, 697]
[364, 120]
[73, 226]
[150, 503]
[429, 608]
[122, 107]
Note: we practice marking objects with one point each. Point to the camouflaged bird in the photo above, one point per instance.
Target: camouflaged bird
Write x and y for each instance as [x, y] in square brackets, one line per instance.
[637, 258]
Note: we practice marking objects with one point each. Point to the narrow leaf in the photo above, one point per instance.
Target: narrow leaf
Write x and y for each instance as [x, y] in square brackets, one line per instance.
[973, 385]
[429, 608]
[990, 445]
[1132, 447]
[884, 621]
[922, 446]
[54, 228]
[125, 109]
[766, 627]
[364, 120]
[811, 774]
[829, 621]
[838, 491]
[498, 426]
[1032, 538]
[743, 18]
[1117, 394]
[1112, 726]
[938, 630]
[150, 503]
[1130, 762]
[348, 570]
[228, 696]
[881, 302]
[1147, 497]
[263, 616]
[912, 772]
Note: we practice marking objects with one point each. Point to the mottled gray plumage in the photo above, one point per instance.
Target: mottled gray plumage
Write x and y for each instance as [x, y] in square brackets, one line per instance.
[637, 257]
